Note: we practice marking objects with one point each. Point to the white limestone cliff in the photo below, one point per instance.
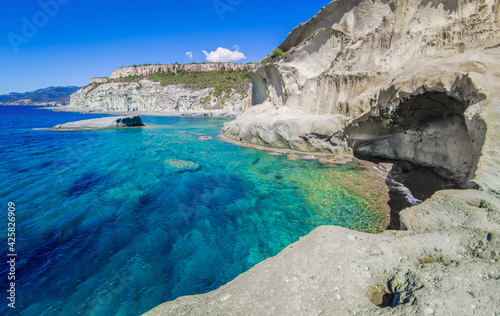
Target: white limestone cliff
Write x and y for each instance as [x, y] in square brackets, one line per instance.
[144, 70]
[129, 90]
[367, 66]
[149, 96]
[99, 80]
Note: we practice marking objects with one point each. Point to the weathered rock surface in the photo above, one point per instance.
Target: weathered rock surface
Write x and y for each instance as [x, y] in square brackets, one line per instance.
[417, 81]
[102, 123]
[304, 132]
[149, 96]
[129, 90]
[98, 80]
[371, 66]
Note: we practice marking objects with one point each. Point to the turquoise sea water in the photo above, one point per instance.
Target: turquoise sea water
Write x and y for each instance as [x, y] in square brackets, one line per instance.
[109, 222]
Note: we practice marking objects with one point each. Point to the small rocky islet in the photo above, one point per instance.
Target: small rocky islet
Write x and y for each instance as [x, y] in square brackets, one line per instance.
[102, 123]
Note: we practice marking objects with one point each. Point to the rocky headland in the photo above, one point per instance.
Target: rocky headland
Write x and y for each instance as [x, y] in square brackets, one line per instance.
[414, 83]
[209, 89]
[102, 123]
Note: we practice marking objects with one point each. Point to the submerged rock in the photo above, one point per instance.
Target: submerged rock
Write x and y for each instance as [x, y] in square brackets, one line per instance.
[204, 138]
[308, 157]
[335, 160]
[102, 123]
[275, 153]
[183, 165]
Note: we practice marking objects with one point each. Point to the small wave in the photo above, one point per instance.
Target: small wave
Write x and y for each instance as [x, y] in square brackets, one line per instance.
[404, 191]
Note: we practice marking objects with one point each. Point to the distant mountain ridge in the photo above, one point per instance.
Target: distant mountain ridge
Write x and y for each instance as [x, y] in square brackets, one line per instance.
[46, 96]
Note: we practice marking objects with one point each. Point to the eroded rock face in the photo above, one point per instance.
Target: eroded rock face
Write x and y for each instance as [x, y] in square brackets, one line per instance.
[406, 80]
[428, 129]
[149, 96]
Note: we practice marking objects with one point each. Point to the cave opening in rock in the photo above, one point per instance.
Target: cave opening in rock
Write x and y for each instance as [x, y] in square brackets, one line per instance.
[427, 139]
[259, 88]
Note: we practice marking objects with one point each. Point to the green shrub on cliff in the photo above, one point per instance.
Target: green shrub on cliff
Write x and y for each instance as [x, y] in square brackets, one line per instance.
[278, 52]
[276, 55]
[224, 82]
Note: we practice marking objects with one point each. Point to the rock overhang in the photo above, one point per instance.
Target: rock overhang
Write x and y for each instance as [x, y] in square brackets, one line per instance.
[429, 125]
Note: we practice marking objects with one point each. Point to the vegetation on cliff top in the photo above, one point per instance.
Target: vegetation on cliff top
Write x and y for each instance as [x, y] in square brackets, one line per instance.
[276, 55]
[176, 63]
[224, 81]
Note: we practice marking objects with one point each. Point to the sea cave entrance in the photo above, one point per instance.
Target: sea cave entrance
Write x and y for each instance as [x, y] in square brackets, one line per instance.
[428, 140]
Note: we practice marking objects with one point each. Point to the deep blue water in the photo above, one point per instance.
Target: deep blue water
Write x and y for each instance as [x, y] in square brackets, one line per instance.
[109, 222]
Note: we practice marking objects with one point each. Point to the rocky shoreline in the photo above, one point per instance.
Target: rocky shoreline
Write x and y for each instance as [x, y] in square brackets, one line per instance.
[447, 263]
[407, 185]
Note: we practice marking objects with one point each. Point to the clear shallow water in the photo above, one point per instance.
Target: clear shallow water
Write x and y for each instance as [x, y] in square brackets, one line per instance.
[108, 225]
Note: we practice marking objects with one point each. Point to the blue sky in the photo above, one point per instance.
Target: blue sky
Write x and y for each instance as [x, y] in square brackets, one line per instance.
[66, 42]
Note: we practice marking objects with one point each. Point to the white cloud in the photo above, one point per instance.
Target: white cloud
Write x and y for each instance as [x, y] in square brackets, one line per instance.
[190, 55]
[224, 55]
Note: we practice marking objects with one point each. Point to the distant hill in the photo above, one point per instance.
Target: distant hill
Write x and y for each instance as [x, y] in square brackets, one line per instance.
[47, 96]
